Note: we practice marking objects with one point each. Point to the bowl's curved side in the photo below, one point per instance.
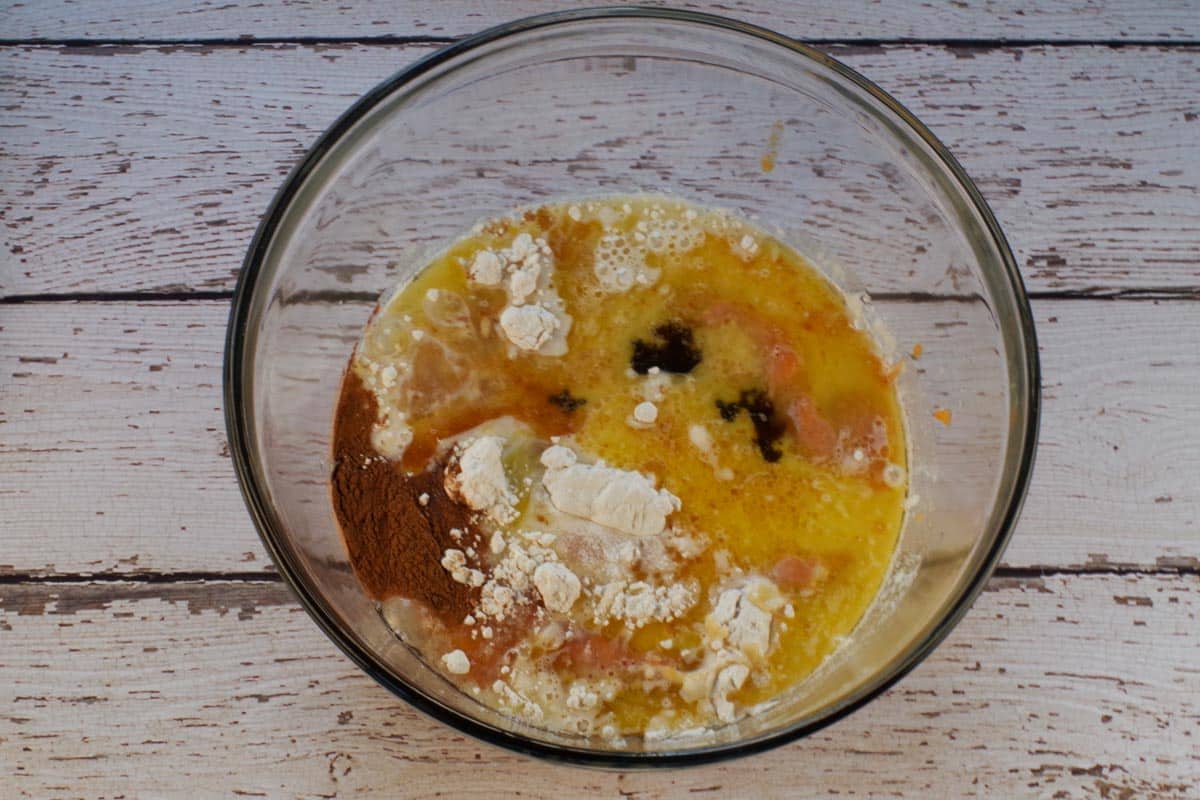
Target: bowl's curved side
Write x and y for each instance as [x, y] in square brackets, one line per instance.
[248, 304]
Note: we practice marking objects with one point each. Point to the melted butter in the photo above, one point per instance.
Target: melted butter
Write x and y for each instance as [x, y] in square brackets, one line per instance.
[765, 321]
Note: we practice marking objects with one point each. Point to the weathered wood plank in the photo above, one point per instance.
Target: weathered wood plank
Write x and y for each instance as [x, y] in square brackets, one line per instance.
[157, 689]
[161, 159]
[113, 452]
[112, 442]
[997, 19]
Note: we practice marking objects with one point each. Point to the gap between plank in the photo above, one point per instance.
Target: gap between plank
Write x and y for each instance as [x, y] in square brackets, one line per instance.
[116, 297]
[1142, 293]
[1183, 293]
[195, 576]
[248, 41]
[1181, 566]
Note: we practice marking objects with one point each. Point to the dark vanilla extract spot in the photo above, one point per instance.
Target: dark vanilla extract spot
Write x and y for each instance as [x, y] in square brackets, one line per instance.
[769, 427]
[566, 401]
[673, 350]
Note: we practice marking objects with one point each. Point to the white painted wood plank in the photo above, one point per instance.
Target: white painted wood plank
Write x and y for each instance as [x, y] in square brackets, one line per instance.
[1117, 478]
[156, 690]
[112, 441]
[805, 19]
[146, 169]
[113, 452]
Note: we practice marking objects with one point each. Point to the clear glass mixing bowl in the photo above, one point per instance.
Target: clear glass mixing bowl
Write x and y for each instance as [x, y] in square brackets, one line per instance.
[623, 101]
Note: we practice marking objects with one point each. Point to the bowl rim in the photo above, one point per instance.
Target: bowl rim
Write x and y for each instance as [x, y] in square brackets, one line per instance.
[239, 425]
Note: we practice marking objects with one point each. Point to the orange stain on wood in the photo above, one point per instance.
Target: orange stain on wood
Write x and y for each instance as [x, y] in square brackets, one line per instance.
[768, 159]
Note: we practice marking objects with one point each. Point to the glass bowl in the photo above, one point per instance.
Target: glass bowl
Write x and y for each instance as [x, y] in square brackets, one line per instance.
[616, 101]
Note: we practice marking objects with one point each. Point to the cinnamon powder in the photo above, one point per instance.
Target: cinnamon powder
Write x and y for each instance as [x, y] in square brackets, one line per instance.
[395, 542]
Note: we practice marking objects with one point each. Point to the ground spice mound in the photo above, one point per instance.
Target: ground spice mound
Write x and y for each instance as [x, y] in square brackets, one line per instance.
[395, 541]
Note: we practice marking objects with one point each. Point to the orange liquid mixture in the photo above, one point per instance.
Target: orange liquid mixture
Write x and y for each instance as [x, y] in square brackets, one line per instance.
[784, 444]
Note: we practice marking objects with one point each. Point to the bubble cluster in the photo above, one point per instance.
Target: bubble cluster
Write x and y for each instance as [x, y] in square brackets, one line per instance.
[620, 255]
[670, 236]
[620, 263]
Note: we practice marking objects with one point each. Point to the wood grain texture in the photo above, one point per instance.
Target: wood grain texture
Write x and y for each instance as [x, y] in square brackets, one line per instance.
[122, 689]
[162, 159]
[138, 168]
[114, 455]
[1066, 20]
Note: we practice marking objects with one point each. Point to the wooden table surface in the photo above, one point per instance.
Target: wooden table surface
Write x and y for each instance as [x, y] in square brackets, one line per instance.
[147, 646]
